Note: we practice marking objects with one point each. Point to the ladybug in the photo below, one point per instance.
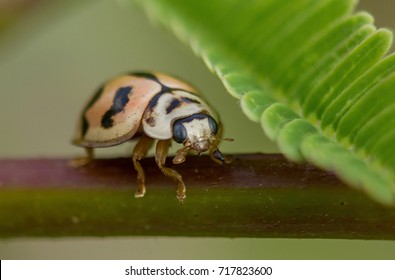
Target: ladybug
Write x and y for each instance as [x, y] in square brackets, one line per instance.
[150, 107]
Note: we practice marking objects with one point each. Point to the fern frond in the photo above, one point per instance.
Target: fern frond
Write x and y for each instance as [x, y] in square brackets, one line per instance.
[313, 73]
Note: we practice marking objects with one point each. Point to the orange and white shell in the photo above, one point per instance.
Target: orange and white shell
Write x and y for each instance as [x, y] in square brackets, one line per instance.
[135, 104]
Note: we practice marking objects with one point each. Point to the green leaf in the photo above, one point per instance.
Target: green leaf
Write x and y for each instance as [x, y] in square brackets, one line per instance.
[314, 73]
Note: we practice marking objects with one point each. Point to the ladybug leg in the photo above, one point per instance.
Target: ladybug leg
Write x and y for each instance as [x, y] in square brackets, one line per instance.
[162, 148]
[140, 151]
[82, 161]
[89, 154]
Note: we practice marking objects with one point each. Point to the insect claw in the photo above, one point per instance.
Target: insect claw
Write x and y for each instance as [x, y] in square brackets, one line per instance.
[140, 192]
[218, 155]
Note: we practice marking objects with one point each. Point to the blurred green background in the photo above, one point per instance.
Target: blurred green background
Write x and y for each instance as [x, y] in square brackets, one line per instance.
[53, 54]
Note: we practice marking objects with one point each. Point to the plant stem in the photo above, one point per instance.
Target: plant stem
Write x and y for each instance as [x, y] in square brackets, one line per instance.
[257, 195]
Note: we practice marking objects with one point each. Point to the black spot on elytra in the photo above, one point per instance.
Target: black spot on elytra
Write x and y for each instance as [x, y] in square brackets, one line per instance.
[96, 96]
[154, 101]
[152, 77]
[189, 100]
[120, 100]
[146, 75]
[198, 116]
[150, 121]
[173, 105]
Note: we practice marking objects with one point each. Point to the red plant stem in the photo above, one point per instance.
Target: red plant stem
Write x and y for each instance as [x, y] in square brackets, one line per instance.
[256, 195]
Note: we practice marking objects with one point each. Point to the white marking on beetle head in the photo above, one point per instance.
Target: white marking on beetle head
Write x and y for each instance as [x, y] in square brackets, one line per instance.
[199, 135]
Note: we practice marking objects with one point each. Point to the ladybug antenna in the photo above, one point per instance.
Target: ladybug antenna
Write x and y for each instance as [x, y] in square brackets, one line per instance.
[224, 139]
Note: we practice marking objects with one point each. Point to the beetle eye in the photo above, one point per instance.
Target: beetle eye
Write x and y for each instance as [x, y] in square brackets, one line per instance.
[213, 125]
[179, 133]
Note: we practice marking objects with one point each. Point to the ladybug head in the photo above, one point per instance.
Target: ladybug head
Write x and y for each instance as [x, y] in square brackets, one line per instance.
[198, 133]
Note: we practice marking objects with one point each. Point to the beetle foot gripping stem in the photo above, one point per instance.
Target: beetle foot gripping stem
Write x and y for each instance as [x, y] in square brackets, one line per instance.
[82, 161]
[140, 191]
[140, 151]
[181, 192]
[162, 148]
